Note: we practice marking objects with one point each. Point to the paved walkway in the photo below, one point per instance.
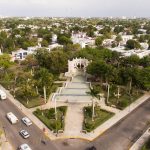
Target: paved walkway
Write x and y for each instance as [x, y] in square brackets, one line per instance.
[74, 120]
[141, 141]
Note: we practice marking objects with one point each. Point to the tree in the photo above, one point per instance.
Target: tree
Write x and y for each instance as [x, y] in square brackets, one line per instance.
[62, 39]
[45, 80]
[44, 43]
[94, 93]
[145, 61]
[100, 69]
[132, 60]
[118, 29]
[118, 39]
[99, 41]
[5, 62]
[27, 90]
[132, 44]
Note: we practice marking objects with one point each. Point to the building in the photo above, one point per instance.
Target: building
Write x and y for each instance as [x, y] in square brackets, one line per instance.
[55, 45]
[19, 54]
[125, 38]
[82, 39]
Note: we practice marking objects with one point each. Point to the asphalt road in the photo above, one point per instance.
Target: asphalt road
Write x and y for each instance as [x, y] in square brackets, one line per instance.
[12, 131]
[121, 136]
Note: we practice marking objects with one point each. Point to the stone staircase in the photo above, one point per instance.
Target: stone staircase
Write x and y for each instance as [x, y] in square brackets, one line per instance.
[75, 91]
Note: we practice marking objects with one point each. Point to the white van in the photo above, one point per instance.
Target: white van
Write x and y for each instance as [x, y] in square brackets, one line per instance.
[12, 118]
[2, 95]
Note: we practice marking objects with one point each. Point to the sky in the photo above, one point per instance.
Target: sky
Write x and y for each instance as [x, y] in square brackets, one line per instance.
[75, 8]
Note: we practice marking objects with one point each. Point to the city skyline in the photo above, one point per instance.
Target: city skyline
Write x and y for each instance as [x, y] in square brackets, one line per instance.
[75, 8]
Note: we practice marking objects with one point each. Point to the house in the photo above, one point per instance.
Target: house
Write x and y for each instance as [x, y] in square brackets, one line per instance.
[125, 38]
[144, 45]
[33, 48]
[19, 54]
[127, 53]
[55, 45]
[54, 38]
[82, 39]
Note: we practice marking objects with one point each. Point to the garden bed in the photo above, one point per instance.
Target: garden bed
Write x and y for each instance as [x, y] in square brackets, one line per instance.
[47, 116]
[100, 117]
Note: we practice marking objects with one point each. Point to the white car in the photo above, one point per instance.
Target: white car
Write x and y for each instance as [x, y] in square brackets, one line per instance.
[24, 134]
[12, 118]
[26, 121]
[24, 147]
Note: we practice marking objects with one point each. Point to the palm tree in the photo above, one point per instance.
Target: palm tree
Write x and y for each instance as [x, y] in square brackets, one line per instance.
[94, 93]
[45, 79]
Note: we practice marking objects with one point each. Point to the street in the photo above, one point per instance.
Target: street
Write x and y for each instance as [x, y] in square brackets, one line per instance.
[12, 131]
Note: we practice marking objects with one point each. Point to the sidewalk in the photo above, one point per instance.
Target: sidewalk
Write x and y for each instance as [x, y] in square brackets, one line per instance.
[141, 141]
[89, 136]
[73, 120]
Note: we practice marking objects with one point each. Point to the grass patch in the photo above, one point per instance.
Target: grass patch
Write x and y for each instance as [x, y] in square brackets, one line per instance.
[32, 102]
[47, 116]
[125, 99]
[100, 117]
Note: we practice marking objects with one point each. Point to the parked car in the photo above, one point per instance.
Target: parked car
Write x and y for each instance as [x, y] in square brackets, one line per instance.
[24, 147]
[24, 134]
[12, 118]
[2, 95]
[26, 121]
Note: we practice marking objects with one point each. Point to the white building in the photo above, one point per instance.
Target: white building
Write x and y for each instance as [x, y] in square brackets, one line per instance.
[127, 53]
[144, 45]
[19, 54]
[54, 38]
[82, 39]
[125, 38]
[55, 45]
[33, 48]
[108, 42]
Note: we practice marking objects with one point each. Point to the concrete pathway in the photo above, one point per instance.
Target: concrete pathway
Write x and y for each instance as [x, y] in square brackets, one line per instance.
[74, 120]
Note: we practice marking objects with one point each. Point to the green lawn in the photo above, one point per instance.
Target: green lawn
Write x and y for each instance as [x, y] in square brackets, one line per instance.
[35, 101]
[32, 102]
[47, 116]
[100, 117]
[124, 100]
